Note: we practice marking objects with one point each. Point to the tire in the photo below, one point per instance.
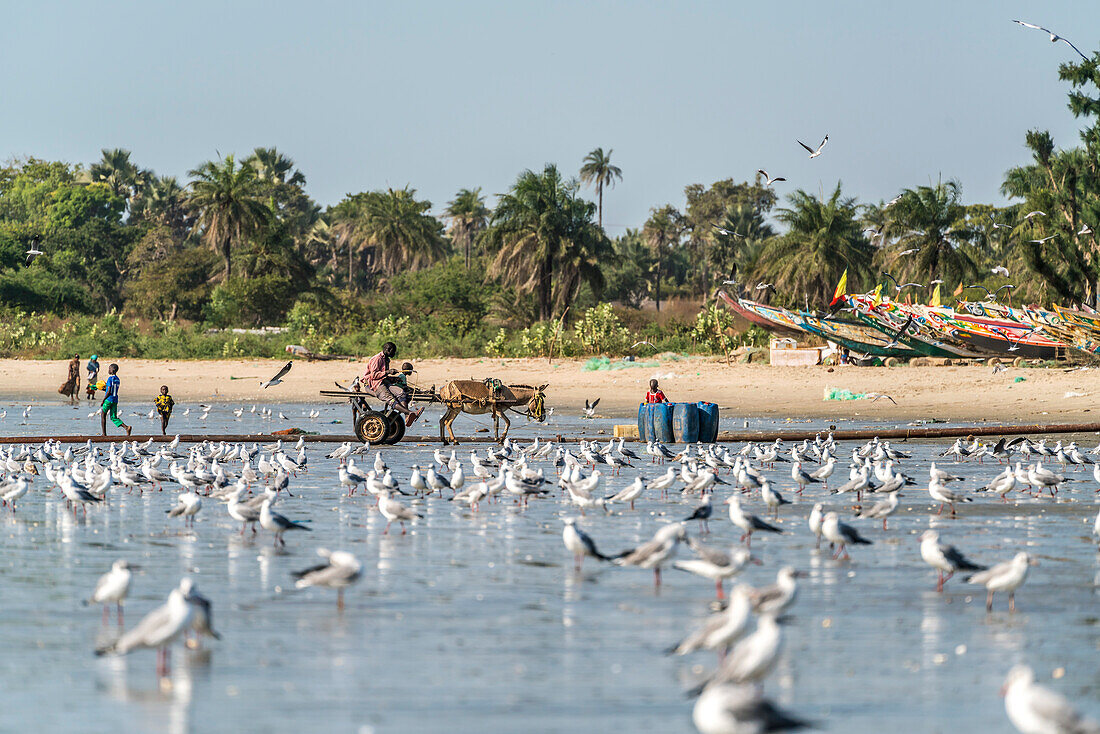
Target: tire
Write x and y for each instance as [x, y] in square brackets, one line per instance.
[1018, 362]
[371, 427]
[892, 362]
[395, 428]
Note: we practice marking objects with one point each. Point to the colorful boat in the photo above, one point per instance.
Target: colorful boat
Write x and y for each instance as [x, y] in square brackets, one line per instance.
[921, 336]
[855, 336]
[772, 318]
[995, 336]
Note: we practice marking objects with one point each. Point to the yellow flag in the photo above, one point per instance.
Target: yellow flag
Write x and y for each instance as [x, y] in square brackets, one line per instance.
[935, 302]
[841, 288]
[877, 300]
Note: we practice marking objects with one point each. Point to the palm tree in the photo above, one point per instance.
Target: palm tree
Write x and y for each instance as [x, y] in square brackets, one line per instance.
[164, 201]
[736, 252]
[823, 240]
[931, 219]
[469, 216]
[402, 235]
[273, 166]
[227, 199]
[664, 228]
[597, 169]
[540, 229]
[117, 171]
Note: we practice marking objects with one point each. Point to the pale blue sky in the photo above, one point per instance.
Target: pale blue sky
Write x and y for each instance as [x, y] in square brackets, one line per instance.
[444, 95]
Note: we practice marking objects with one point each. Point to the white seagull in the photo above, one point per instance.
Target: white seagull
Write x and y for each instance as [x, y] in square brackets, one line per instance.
[340, 570]
[768, 180]
[1054, 37]
[814, 153]
[1007, 576]
[1033, 709]
[278, 378]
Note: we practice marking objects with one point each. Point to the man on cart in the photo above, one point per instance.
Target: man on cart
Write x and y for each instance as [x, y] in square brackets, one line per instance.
[385, 383]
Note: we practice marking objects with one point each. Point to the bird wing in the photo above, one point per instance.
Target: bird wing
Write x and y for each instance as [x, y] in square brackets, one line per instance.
[595, 403]
[958, 560]
[280, 373]
[823, 141]
[808, 148]
[1070, 44]
[1030, 25]
[712, 555]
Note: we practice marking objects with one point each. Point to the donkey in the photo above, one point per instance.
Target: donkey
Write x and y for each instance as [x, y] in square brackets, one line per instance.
[477, 398]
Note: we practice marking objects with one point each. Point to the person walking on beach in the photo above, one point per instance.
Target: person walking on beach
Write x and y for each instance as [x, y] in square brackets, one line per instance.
[164, 404]
[71, 387]
[93, 376]
[383, 382]
[110, 401]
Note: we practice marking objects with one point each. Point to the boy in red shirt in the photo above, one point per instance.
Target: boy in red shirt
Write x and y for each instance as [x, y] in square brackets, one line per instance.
[655, 395]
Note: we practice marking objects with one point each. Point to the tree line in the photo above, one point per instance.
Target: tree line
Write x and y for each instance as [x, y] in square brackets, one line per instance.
[240, 241]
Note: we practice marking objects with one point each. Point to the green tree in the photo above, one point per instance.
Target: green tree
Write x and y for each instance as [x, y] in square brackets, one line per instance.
[707, 207]
[597, 169]
[400, 233]
[738, 240]
[664, 229]
[227, 199]
[931, 220]
[468, 217]
[823, 239]
[539, 226]
[630, 268]
[118, 172]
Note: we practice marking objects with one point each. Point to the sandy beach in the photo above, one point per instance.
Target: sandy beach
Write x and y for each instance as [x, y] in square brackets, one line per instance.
[945, 393]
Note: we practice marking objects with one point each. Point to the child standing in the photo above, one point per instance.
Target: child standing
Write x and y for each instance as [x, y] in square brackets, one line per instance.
[164, 404]
[110, 401]
[93, 375]
[655, 395]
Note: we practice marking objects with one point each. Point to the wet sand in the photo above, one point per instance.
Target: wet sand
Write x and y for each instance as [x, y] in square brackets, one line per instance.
[969, 393]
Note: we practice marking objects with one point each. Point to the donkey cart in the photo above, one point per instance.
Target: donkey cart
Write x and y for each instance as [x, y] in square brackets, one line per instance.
[385, 426]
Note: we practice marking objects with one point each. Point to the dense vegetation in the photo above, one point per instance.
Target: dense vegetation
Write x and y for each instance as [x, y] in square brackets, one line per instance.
[139, 264]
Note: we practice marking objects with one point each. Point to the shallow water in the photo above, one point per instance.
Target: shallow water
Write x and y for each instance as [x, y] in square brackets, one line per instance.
[476, 621]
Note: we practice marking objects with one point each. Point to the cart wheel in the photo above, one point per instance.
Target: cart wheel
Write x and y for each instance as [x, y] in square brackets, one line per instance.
[395, 428]
[371, 427]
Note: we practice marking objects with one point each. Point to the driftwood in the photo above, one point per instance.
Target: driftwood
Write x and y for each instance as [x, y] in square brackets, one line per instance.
[477, 398]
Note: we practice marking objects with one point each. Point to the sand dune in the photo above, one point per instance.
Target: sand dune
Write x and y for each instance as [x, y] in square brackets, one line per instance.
[948, 393]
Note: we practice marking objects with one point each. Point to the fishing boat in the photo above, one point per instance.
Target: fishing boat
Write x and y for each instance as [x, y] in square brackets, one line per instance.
[923, 338]
[855, 336]
[994, 336]
[773, 318]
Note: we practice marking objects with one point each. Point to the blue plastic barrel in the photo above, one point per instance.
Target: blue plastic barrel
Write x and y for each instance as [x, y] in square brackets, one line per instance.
[685, 422]
[645, 421]
[708, 422]
[662, 422]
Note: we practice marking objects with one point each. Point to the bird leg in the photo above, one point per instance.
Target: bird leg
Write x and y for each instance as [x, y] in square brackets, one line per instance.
[403, 531]
[939, 581]
[387, 530]
[940, 510]
[1011, 601]
[884, 523]
[118, 604]
[106, 614]
[340, 599]
[657, 578]
[989, 602]
[718, 588]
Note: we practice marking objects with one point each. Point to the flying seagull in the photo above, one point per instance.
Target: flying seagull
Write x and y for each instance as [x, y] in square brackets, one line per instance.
[814, 153]
[278, 378]
[768, 180]
[1029, 215]
[877, 395]
[729, 232]
[1000, 270]
[997, 224]
[893, 201]
[1054, 37]
[764, 286]
[910, 251]
[33, 252]
[1085, 229]
[636, 344]
[899, 286]
[901, 332]
[1043, 239]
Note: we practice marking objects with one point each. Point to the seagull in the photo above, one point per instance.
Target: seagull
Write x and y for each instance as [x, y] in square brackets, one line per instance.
[764, 286]
[202, 611]
[720, 630]
[768, 180]
[754, 656]
[392, 510]
[276, 523]
[715, 564]
[156, 630]
[777, 598]
[1000, 270]
[1054, 37]
[814, 153]
[33, 251]
[944, 557]
[729, 232]
[654, 553]
[945, 496]
[748, 522]
[899, 286]
[1033, 709]
[893, 201]
[1007, 576]
[590, 408]
[188, 505]
[278, 378]
[1035, 213]
[1041, 240]
[910, 251]
[996, 224]
[579, 543]
[840, 534]
[113, 587]
[732, 709]
[637, 344]
[1085, 229]
[883, 508]
[341, 569]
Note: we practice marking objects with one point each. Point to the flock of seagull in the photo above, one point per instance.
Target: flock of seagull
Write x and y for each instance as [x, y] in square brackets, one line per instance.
[253, 486]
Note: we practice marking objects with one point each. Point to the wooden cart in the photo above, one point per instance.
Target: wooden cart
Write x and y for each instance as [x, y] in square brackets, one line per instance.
[385, 426]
